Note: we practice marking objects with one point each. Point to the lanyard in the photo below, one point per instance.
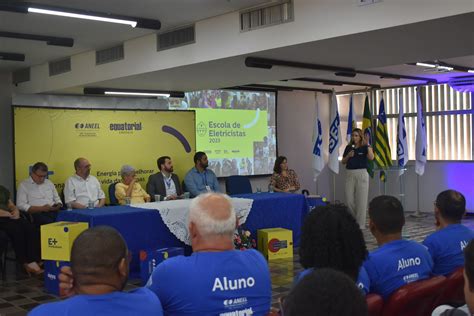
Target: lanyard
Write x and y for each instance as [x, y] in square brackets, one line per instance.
[168, 182]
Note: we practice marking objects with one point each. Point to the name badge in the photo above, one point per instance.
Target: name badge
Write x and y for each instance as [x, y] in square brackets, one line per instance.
[208, 188]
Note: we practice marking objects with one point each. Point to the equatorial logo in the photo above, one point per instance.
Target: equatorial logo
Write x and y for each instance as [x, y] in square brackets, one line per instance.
[201, 129]
[126, 127]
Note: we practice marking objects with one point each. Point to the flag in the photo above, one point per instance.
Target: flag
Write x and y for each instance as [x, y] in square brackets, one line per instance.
[382, 146]
[334, 136]
[350, 122]
[318, 159]
[368, 132]
[420, 137]
[402, 147]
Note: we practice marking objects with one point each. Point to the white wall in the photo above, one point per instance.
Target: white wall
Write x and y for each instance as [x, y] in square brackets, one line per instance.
[295, 116]
[6, 145]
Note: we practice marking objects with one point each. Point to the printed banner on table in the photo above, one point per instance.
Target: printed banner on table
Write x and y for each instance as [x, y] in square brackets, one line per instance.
[107, 138]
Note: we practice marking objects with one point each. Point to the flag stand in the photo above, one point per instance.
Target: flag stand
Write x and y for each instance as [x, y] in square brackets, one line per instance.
[418, 213]
[334, 187]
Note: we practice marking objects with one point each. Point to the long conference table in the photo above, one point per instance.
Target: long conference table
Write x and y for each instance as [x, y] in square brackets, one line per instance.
[145, 229]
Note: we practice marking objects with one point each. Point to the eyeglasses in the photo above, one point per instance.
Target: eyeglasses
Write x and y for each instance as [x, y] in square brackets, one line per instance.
[41, 175]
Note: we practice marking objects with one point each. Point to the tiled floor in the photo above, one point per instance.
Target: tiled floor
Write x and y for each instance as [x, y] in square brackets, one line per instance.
[19, 293]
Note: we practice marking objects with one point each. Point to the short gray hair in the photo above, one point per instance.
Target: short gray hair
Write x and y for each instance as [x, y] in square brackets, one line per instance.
[126, 170]
[206, 223]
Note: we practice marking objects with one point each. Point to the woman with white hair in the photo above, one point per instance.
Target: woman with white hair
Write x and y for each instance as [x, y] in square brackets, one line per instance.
[129, 190]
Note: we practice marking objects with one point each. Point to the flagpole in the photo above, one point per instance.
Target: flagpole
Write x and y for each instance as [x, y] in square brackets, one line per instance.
[334, 187]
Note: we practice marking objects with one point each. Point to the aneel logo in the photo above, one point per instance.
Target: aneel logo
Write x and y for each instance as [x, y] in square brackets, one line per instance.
[52, 277]
[235, 302]
[89, 126]
[274, 245]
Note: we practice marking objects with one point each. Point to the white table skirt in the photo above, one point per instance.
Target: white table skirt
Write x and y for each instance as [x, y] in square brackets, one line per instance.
[175, 214]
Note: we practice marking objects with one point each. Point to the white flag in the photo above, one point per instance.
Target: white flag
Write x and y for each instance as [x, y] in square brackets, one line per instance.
[318, 159]
[402, 148]
[334, 136]
[421, 151]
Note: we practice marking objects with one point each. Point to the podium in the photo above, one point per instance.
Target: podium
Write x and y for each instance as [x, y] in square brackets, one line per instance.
[390, 173]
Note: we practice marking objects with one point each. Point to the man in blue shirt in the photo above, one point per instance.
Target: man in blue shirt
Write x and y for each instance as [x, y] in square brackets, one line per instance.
[200, 179]
[447, 243]
[215, 279]
[397, 261]
[99, 263]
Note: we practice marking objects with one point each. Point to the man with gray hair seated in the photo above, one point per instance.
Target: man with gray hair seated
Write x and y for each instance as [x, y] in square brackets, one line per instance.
[216, 279]
[129, 191]
[81, 189]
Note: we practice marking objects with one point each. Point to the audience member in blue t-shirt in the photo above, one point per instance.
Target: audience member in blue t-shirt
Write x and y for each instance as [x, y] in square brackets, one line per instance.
[331, 238]
[447, 243]
[397, 261]
[215, 279]
[99, 263]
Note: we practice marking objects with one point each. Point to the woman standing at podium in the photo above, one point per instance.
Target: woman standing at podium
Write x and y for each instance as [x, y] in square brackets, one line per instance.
[355, 157]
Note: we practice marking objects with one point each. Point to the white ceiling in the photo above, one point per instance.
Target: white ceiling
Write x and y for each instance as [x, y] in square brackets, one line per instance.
[91, 35]
[385, 50]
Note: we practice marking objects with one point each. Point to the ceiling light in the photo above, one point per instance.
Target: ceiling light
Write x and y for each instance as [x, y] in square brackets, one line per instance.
[134, 93]
[12, 56]
[24, 7]
[445, 68]
[426, 65]
[82, 16]
[140, 94]
[471, 71]
[50, 40]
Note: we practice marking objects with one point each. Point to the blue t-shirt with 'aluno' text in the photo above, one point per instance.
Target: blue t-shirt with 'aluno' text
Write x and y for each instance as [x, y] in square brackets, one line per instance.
[141, 302]
[222, 283]
[395, 264]
[446, 247]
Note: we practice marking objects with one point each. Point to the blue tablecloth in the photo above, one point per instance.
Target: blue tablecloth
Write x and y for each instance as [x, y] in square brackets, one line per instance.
[145, 229]
[270, 210]
[141, 228]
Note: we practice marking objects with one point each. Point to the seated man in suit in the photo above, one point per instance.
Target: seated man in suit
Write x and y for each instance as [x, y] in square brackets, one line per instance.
[216, 279]
[447, 243]
[200, 179]
[38, 196]
[165, 182]
[397, 261]
[99, 263]
[82, 188]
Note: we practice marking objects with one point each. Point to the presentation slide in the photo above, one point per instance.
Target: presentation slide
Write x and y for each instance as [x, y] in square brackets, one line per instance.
[236, 129]
[107, 138]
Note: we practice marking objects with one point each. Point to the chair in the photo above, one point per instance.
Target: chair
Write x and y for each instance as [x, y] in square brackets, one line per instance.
[238, 185]
[453, 290]
[3, 254]
[374, 304]
[415, 299]
[113, 200]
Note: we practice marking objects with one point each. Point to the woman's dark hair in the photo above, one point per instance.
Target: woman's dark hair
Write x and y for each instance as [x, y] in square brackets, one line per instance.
[278, 162]
[325, 292]
[331, 238]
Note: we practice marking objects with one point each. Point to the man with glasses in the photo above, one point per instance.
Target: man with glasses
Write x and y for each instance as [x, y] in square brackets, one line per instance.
[38, 196]
[83, 190]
